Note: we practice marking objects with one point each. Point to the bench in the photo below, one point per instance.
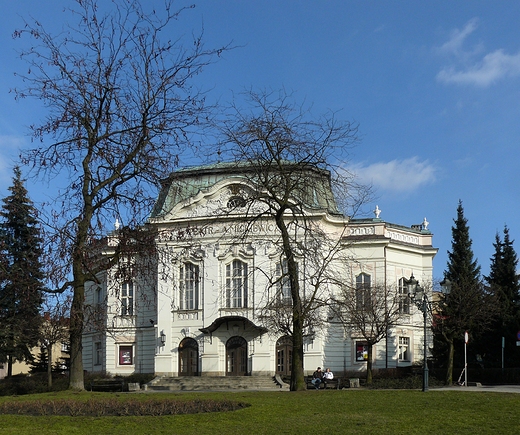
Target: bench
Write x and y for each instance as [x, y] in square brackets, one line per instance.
[107, 385]
[331, 383]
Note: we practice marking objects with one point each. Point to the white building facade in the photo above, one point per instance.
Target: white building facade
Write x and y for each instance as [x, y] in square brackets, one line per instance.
[197, 309]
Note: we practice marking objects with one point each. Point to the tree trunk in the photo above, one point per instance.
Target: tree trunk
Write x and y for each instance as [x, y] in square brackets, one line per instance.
[76, 380]
[297, 373]
[369, 365]
[49, 366]
[9, 366]
[449, 369]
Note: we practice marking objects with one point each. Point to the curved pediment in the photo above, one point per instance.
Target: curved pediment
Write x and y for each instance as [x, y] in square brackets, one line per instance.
[243, 189]
[231, 196]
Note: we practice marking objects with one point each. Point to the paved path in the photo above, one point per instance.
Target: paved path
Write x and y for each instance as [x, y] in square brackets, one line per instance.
[489, 388]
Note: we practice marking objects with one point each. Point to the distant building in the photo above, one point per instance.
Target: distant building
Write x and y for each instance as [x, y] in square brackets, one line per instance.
[196, 311]
[60, 353]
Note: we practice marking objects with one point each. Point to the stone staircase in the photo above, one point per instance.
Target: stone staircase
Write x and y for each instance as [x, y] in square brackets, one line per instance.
[215, 383]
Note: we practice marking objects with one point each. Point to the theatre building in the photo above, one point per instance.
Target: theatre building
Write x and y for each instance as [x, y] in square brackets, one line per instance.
[198, 307]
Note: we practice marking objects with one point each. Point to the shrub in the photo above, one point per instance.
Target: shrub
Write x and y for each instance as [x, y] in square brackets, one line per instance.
[109, 407]
[18, 385]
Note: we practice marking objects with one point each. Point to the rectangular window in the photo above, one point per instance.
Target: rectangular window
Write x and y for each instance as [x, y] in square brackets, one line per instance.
[99, 296]
[363, 299]
[98, 353]
[236, 284]
[283, 281]
[361, 351]
[127, 299]
[404, 348]
[126, 357]
[404, 297]
[189, 287]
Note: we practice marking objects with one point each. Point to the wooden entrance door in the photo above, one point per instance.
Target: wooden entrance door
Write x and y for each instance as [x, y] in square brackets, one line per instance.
[236, 356]
[284, 349]
[188, 357]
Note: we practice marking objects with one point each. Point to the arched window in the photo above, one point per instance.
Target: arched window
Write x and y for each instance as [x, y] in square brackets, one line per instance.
[236, 284]
[363, 299]
[189, 287]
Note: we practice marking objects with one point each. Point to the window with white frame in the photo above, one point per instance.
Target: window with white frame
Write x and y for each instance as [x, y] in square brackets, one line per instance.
[127, 299]
[236, 284]
[363, 299]
[189, 287]
[404, 297]
[404, 348]
[283, 281]
[98, 353]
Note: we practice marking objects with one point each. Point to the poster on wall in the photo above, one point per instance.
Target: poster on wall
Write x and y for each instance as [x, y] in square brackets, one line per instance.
[125, 355]
[361, 351]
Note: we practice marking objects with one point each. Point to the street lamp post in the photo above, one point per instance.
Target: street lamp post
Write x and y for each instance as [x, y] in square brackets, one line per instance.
[418, 295]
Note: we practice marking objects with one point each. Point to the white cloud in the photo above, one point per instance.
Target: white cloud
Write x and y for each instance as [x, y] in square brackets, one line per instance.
[469, 67]
[493, 67]
[458, 37]
[397, 175]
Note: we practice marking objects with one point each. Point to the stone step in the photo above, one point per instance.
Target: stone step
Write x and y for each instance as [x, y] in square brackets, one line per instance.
[197, 383]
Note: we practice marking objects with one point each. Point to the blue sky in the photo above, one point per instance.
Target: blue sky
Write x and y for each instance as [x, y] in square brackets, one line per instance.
[434, 86]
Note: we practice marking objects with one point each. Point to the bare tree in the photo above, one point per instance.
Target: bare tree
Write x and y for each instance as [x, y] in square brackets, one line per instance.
[294, 162]
[121, 109]
[369, 311]
[55, 328]
[317, 274]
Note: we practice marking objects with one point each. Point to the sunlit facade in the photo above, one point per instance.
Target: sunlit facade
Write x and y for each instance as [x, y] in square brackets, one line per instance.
[198, 310]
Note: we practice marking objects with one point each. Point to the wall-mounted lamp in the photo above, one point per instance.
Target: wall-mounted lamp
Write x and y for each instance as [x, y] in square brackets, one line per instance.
[163, 338]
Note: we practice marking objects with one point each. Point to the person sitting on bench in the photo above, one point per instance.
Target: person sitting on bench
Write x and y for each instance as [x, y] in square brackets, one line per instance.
[327, 376]
[317, 378]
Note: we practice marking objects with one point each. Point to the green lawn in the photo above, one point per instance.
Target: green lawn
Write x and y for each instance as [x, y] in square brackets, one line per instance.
[309, 412]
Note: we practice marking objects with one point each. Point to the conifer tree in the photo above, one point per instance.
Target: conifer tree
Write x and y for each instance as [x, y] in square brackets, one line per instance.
[503, 282]
[465, 308]
[21, 276]
[41, 364]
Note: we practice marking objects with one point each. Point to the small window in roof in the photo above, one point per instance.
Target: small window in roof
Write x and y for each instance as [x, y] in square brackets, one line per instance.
[236, 202]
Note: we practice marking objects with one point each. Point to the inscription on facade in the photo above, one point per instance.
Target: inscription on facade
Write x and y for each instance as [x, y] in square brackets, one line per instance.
[210, 230]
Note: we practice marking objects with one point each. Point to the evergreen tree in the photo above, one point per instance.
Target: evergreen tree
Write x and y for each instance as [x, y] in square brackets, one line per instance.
[21, 277]
[504, 284]
[41, 363]
[466, 307]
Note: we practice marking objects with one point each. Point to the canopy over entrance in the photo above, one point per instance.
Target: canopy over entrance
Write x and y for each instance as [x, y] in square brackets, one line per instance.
[229, 321]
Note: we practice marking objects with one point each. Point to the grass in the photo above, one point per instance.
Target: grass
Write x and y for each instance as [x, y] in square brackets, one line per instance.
[309, 412]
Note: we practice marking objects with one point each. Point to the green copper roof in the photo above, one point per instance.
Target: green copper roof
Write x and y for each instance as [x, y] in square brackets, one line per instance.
[313, 185]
